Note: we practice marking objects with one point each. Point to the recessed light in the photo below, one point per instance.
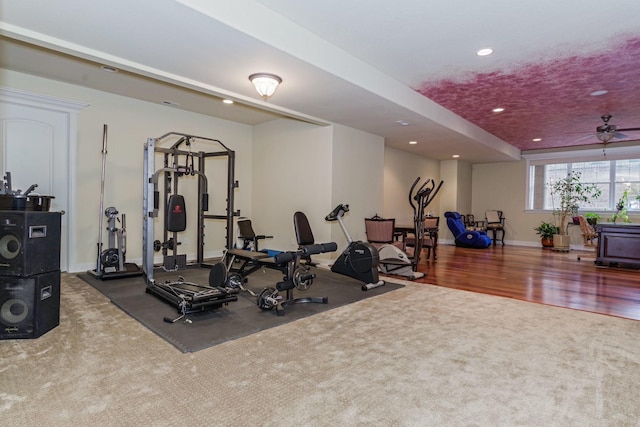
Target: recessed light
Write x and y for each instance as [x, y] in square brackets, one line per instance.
[413, 142]
[109, 69]
[599, 92]
[227, 101]
[403, 123]
[498, 110]
[537, 139]
[455, 156]
[484, 52]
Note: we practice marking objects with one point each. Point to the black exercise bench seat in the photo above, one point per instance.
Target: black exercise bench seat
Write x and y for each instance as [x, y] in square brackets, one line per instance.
[250, 261]
[252, 255]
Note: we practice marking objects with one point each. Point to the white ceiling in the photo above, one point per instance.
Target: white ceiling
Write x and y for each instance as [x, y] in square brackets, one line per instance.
[363, 64]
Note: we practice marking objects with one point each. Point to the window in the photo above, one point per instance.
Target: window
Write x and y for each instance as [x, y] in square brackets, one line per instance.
[613, 174]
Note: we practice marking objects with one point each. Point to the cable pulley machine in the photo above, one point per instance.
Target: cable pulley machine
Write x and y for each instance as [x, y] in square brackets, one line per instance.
[186, 296]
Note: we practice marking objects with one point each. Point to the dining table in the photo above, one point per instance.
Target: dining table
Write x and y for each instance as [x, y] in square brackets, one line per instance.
[401, 231]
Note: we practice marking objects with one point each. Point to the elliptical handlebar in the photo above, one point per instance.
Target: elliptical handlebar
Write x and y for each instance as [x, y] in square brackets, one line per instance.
[336, 215]
[422, 197]
[411, 197]
[337, 212]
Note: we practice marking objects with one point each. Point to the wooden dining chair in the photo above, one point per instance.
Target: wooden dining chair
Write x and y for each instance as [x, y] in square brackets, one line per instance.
[381, 231]
[430, 239]
[589, 235]
[494, 222]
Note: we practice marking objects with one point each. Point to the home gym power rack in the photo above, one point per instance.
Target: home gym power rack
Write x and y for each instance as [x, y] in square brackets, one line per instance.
[171, 171]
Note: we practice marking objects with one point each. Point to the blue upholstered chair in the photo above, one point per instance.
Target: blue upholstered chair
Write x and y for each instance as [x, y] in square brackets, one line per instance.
[463, 237]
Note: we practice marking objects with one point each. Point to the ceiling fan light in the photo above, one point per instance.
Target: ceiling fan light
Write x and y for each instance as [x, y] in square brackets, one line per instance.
[605, 136]
[265, 83]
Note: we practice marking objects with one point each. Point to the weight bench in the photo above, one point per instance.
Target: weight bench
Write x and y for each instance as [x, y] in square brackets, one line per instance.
[250, 261]
[297, 275]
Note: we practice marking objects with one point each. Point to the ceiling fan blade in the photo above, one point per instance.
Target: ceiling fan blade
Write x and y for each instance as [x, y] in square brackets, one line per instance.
[584, 137]
[629, 129]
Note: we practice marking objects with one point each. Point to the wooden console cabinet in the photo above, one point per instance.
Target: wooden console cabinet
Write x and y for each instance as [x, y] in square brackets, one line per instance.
[618, 244]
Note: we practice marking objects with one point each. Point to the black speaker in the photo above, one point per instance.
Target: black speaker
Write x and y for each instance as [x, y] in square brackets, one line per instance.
[29, 242]
[29, 306]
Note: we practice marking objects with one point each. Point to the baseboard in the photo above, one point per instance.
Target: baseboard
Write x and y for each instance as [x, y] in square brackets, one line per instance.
[157, 260]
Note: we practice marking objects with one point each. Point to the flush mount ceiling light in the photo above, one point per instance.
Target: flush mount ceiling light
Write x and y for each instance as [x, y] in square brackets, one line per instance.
[537, 139]
[265, 83]
[599, 92]
[413, 142]
[498, 110]
[484, 52]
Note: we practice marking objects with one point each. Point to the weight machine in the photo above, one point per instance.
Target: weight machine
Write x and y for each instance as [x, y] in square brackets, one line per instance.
[296, 274]
[110, 263]
[175, 218]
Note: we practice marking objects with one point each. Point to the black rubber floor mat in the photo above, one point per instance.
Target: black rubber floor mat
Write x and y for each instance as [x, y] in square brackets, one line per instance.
[238, 318]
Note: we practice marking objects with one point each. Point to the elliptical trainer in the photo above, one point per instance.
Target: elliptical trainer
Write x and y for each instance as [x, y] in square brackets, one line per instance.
[419, 199]
[359, 259]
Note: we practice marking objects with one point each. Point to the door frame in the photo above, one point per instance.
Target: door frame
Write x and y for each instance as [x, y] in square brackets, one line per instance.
[70, 109]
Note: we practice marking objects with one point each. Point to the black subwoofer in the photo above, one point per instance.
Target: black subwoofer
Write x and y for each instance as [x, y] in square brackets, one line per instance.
[29, 242]
[29, 306]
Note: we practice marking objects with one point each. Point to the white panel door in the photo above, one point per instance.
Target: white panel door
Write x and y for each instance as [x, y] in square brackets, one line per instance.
[34, 147]
[28, 151]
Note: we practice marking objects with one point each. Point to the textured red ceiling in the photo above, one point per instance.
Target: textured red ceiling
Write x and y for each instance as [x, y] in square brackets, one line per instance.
[550, 100]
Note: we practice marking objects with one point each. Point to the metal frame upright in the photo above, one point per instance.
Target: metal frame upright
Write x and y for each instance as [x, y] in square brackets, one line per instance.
[171, 173]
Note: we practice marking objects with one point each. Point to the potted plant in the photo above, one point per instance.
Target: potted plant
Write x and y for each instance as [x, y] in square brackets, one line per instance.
[621, 208]
[569, 193]
[592, 218]
[546, 230]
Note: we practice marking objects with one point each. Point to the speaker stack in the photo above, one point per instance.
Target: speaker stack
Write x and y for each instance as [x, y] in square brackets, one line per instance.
[29, 273]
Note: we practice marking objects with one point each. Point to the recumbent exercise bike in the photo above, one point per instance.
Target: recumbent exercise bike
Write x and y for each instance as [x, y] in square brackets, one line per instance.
[359, 259]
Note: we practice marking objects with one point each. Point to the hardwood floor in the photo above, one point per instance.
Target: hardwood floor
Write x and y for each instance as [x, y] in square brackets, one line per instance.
[537, 275]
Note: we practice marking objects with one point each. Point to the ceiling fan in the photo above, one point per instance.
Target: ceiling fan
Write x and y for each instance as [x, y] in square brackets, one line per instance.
[606, 132]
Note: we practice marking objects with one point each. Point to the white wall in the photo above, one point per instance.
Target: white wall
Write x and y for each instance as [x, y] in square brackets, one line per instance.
[291, 172]
[456, 193]
[464, 189]
[400, 171]
[457, 187]
[308, 168]
[130, 122]
[502, 186]
[357, 180]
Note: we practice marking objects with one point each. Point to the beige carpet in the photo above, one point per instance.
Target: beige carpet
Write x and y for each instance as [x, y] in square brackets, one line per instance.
[418, 356]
